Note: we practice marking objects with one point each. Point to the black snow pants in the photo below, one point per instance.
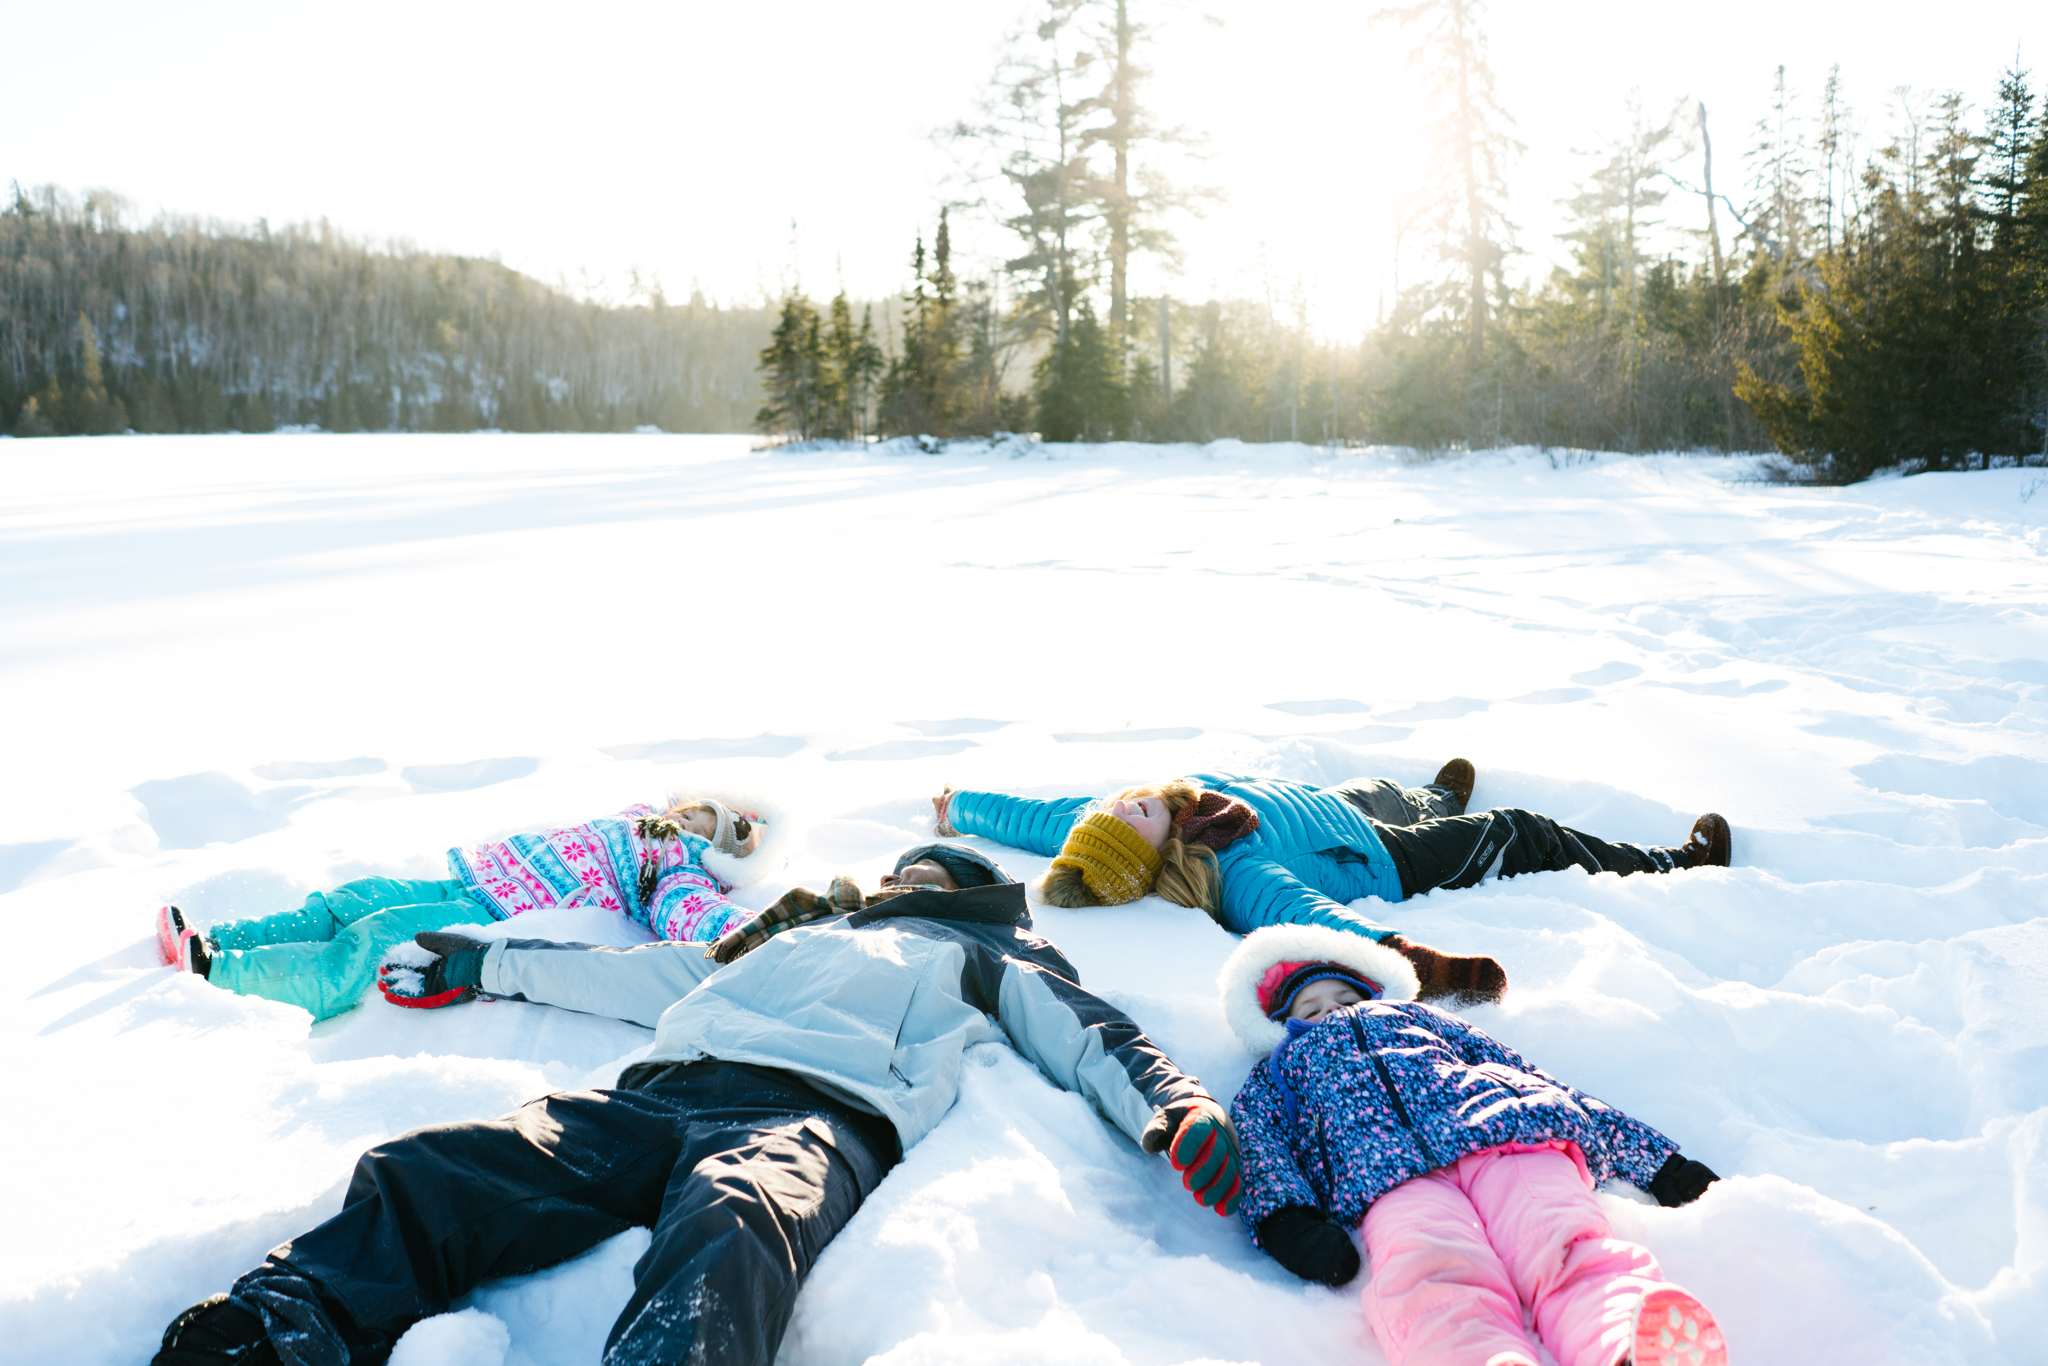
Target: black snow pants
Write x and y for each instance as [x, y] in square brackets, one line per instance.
[1460, 851]
[744, 1173]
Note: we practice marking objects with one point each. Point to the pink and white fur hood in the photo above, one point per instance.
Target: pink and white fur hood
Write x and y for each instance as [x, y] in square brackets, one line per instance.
[1263, 949]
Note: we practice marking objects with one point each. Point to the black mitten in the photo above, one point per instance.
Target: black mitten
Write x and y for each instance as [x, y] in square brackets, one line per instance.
[1307, 1243]
[1680, 1181]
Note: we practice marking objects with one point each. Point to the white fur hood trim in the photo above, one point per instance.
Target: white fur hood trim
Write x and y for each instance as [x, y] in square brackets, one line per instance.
[778, 840]
[1261, 949]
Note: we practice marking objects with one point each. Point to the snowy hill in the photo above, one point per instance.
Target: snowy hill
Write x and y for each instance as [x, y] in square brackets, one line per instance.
[241, 668]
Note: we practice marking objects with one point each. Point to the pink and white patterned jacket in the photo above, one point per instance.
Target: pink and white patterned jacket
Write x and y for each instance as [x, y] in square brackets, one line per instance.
[598, 864]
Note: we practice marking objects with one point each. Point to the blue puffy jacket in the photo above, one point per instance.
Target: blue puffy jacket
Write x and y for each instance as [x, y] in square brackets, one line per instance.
[1313, 851]
[1372, 1095]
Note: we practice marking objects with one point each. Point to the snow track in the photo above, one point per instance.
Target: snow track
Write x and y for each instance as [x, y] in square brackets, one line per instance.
[240, 668]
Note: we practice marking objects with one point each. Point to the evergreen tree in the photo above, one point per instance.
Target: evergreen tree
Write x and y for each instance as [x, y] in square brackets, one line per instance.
[1133, 194]
[920, 392]
[1462, 205]
[2014, 130]
[1778, 177]
[859, 362]
[804, 391]
[1899, 361]
[1080, 384]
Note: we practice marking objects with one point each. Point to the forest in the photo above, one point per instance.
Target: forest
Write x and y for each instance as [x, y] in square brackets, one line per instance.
[1856, 307]
[1857, 302]
[183, 326]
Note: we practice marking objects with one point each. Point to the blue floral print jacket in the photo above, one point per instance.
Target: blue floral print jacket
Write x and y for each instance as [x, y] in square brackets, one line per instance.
[1372, 1095]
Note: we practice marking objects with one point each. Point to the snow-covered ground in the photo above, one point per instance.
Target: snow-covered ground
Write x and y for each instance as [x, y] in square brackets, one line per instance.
[236, 669]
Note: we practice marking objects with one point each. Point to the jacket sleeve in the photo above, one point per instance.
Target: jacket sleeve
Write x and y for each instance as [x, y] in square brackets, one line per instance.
[1634, 1150]
[1258, 892]
[1033, 824]
[1087, 1046]
[689, 907]
[635, 984]
[1272, 1180]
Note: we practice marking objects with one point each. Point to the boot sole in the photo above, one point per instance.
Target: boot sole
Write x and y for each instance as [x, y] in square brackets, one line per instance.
[170, 935]
[1674, 1329]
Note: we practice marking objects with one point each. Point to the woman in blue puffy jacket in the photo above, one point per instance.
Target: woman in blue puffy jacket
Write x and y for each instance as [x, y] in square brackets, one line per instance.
[1266, 851]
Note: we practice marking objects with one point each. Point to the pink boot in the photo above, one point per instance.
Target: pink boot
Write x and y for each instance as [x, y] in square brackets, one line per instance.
[1674, 1329]
[179, 945]
[170, 934]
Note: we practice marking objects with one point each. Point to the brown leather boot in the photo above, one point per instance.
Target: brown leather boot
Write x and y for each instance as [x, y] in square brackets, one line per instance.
[1472, 980]
[1710, 845]
[1459, 776]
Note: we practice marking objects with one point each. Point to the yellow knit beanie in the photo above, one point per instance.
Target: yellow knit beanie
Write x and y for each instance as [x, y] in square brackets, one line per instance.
[1114, 861]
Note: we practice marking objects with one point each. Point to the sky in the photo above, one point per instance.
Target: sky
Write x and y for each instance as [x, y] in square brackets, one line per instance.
[743, 149]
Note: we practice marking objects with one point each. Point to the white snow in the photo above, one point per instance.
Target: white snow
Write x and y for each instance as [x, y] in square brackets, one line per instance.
[238, 669]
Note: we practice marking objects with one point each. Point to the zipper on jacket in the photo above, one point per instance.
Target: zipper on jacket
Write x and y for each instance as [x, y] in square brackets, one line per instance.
[1387, 1080]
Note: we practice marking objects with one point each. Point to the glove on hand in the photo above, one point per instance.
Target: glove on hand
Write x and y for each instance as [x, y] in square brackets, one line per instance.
[1197, 1138]
[1309, 1244]
[1680, 1181]
[456, 976]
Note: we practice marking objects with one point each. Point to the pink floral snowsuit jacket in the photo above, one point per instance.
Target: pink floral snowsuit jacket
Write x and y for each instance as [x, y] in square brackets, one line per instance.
[598, 864]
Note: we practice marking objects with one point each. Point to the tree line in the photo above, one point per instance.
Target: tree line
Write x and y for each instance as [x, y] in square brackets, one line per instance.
[1856, 300]
[184, 326]
[1855, 306]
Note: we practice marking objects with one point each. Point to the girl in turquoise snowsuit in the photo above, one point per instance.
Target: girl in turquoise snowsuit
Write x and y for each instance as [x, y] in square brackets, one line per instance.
[668, 871]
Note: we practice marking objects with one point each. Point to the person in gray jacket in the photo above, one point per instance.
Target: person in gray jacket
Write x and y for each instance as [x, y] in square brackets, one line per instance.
[779, 1090]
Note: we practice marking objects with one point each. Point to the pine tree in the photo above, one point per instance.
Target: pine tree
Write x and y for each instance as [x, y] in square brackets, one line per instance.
[858, 361]
[1778, 176]
[802, 387]
[1837, 155]
[1899, 360]
[2014, 130]
[1463, 204]
[1080, 384]
[1133, 195]
[920, 392]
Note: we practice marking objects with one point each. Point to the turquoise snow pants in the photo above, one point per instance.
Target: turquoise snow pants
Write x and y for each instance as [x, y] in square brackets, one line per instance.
[323, 956]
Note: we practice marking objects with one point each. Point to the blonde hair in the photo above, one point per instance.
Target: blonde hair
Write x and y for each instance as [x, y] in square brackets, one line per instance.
[1187, 877]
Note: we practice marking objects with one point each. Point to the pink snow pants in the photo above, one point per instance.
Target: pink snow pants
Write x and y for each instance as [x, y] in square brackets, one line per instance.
[1458, 1254]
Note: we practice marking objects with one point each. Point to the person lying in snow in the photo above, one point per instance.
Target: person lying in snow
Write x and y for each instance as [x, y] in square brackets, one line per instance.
[667, 869]
[779, 1090]
[1265, 851]
[1468, 1170]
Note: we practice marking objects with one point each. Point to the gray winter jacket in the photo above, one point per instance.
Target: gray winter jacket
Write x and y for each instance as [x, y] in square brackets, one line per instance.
[877, 1008]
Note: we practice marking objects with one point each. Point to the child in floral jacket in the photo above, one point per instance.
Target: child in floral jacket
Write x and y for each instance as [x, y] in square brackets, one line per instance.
[1468, 1171]
[668, 869]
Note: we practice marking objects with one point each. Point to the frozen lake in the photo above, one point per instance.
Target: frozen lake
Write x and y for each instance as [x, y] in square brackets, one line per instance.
[237, 669]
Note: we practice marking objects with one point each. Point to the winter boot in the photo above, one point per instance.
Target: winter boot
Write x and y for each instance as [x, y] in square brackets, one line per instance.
[1459, 777]
[181, 946]
[213, 1332]
[1710, 845]
[170, 933]
[1466, 981]
[1674, 1329]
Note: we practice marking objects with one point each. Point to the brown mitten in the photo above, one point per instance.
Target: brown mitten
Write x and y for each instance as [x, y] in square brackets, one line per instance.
[1465, 980]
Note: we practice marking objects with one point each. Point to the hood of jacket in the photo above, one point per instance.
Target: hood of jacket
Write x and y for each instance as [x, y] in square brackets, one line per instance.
[1242, 971]
[771, 855]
